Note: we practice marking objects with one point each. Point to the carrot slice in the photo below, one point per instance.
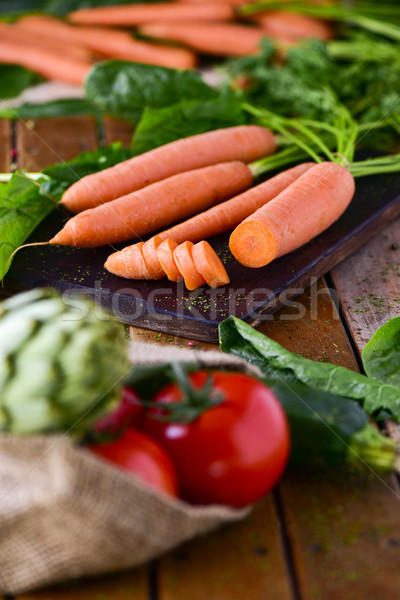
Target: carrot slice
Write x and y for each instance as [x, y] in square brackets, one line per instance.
[209, 265]
[130, 260]
[165, 254]
[149, 251]
[184, 262]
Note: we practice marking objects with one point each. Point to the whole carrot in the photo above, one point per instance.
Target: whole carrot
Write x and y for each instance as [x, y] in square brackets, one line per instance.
[218, 219]
[221, 39]
[48, 63]
[245, 143]
[293, 25]
[155, 206]
[108, 42]
[135, 14]
[302, 211]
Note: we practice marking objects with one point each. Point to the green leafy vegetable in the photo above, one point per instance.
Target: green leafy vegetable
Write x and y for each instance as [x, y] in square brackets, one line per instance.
[125, 89]
[280, 364]
[159, 126]
[63, 7]
[381, 356]
[15, 79]
[55, 108]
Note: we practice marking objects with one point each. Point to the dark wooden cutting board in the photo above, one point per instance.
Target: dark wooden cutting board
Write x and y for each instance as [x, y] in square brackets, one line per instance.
[252, 294]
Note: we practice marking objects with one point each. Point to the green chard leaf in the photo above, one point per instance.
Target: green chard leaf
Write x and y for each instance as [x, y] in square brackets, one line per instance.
[279, 364]
[381, 356]
[124, 89]
[160, 126]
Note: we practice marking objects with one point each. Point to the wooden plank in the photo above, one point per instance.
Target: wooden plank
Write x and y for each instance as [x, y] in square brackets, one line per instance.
[240, 562]
[5, 145]
[117, 130]
[368, 283]
[42, 142]
[252, 293]
[118, 587]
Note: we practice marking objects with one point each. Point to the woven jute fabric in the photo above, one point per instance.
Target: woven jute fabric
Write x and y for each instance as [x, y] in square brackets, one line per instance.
[65, 514]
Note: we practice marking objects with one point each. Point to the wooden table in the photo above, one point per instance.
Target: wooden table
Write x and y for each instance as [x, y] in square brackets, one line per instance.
[325, 535]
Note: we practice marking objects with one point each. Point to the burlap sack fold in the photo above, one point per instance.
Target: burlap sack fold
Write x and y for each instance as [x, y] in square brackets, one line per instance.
[64, 513]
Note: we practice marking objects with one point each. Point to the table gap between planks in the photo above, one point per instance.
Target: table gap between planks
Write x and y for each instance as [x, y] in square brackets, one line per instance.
[320, 535]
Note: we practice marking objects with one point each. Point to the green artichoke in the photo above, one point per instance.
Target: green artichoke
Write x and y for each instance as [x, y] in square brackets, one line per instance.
[62, 362]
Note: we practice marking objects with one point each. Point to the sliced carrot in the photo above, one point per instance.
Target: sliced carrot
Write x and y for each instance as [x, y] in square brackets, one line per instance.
[165, 254]
[227, 215]
[245, 143]
[302, 211]
[109, 42]
[129, 260]
[155, 206]
[293, 25]
[48, 63]
[184, 262]
[209, 265]
[221, 39]
[134, 14]
[149, 251]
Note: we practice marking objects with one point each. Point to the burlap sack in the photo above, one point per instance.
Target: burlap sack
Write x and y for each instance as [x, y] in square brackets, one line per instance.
[65, 514]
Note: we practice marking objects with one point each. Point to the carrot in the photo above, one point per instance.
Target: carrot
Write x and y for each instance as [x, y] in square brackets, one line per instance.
[135, 14]
[45, 62]
[221, 39]
[184, 262]
[293, 25]
[209, 265]
[155, 206]
[132, 261]
[228, 214]
[149, 250]
[305, 209]
[38, 40]
[166, 257]
[109, 42]
[245, 143]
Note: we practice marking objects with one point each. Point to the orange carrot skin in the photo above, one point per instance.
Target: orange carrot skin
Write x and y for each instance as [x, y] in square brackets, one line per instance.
[166, 257]
[209, 265]
[109, 42]
[149, 251]
[156, 206]
[51, 65]
[135, 14]
[244, 142]
[295, 26]
[184, 261]
[220, 39]
[224, 217]
[304, 210]
[129, 261]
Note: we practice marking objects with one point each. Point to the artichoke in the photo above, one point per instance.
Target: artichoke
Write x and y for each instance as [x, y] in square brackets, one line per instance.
[61, 362]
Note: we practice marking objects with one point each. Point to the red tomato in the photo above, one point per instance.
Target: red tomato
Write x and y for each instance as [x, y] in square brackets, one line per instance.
[135, 452]
[232, 453]
[128, 412]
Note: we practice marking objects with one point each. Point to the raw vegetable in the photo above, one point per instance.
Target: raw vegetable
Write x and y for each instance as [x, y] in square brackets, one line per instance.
[226, 434]
[209, 265]
[105, 41]
[184, 261]
[221, 39]
[381, 356]
[127, 414]
[61, 362]
[141, 456]
[244, 143]
[277, 363]
[15, 79]
[149, 251]
[294, 25]
[155, 206]
[302, 211]
[159, 11]
[165, 255]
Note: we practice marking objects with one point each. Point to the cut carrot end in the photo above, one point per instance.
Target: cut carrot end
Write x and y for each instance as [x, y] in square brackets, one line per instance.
[253, 244]
[184, 261]
[128, 263]
[209, 265]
